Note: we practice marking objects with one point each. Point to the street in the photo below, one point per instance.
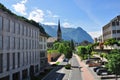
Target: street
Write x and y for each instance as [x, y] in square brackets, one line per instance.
[60, 73]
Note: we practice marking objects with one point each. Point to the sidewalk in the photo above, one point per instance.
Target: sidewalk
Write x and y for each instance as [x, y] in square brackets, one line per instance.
[60, 59]
[86, 74]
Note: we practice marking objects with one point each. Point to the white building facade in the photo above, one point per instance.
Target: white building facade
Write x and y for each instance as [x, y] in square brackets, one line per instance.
[112, 29]
[19, 48]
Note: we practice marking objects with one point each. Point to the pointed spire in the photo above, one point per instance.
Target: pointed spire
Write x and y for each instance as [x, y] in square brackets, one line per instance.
[59, 34]
[59, 29]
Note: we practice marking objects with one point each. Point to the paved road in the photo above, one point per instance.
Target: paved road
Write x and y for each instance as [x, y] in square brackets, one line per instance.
[76, 71]
[60, 73]
[57, 73]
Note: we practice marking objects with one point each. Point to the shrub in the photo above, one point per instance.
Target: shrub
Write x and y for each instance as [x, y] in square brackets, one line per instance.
[68, 66]
[57, 63]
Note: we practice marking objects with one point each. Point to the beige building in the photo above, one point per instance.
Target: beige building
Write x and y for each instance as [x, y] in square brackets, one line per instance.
[50, 42]
[43, 51]
[20, 53]
[112, 29]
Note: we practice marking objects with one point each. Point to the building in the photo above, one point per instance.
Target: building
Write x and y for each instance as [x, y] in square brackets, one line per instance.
[43, 51]
[59, 32]
[51, 40]
[112, 29]
[98, 39]
[20, 54]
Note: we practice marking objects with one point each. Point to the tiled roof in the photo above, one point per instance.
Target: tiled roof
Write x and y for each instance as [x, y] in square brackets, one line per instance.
[51, 39]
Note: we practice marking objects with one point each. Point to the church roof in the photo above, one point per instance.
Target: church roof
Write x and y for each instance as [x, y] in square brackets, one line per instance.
[51, 39]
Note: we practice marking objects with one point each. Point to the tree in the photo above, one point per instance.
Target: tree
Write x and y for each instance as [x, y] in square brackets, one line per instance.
[82, 51]
[56, 45]
[110, 42]
[114, 63]
[61, 48]
[72, 45]
[89, 50]
[68, 52]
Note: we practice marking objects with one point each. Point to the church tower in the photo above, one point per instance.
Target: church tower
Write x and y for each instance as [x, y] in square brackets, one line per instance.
[59, 33]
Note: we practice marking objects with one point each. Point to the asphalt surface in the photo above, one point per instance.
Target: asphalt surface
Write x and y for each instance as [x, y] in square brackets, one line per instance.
[76, 70]
[60, 73]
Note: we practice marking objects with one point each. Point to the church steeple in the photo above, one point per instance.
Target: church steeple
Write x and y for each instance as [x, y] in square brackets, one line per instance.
[59, 33]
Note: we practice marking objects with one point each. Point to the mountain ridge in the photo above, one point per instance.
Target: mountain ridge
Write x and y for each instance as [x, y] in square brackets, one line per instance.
[68, 33]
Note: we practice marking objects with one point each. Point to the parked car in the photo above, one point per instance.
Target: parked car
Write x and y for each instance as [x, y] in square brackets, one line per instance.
[88, 61]
[103, 62]
[92, 64]
[102, 71]
[65, 60]
[96, 68]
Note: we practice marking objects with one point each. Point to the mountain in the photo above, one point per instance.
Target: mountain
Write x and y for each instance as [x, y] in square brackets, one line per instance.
[77, 34]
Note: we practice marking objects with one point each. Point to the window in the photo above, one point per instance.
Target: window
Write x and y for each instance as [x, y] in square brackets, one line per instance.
[23, 59]
[6, 25]
[21, 29]
[113, 31]
[18, 59]
[117, 23]
[7, 42]
[18, 43]
[42, 54]
[24, 30]
[13, 60]
[26, 44]
[16, 28]
[1, 63]
[113, 23]
[1, 42]
[22, 43]
[29, 44]
[12, 27]
[12, 42]
[30, 57]
[118, 31]
[8, 61]
[1, 26]
[26, 57]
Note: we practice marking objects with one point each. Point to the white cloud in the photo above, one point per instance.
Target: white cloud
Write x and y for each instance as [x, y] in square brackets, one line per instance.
[51, 15]
[49, 23]
[24, 1]
[66, 25]
[37, 15]
[55, 16]
[20, 7]
[95, 34]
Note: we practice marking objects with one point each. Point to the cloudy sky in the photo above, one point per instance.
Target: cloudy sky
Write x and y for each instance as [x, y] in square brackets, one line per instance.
[90, 15]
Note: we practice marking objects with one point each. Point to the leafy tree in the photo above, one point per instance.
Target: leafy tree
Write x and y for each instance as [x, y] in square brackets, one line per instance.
[110, 42]
[82, 51]
[114, 63]
[72, 45]
[89, 50]
[68, 52]
[56, 45]
[94, 45]
[61, 48]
